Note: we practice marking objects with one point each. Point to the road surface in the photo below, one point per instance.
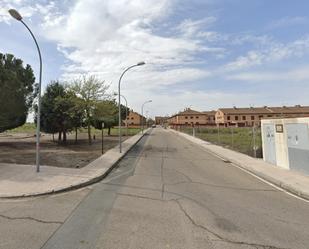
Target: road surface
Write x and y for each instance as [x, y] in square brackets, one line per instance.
[166, 193]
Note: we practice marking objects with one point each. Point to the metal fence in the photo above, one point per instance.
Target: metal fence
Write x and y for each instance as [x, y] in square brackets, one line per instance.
[246, 140]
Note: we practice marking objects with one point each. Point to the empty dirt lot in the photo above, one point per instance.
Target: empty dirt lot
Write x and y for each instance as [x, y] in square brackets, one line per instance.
[20, 148]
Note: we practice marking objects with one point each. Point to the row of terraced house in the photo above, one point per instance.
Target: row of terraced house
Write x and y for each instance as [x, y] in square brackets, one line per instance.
[237, 117]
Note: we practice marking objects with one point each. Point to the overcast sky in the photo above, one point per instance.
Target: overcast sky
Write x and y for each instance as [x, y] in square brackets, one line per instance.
[202, 54]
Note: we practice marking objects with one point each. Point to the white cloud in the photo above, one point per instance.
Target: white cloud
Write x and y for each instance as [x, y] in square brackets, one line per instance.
[294, 75]
[288, 21]
[273, 53]
[189, 27]
[104, 37]
[26, 8]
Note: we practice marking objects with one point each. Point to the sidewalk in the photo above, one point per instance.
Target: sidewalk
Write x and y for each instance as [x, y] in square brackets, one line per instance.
[22, 180]
[291, 181]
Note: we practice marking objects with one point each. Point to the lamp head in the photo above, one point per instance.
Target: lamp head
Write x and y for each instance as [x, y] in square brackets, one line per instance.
[141, 63]
[15, 14]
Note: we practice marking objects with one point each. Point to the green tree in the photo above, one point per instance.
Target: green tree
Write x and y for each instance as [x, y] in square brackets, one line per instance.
[77, 114]
[107, 111]
[17, 91]
[90, 89]
[60, 111]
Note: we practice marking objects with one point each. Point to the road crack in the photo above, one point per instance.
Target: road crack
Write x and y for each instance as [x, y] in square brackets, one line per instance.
[221, 238]
[30, 218]
[146, 197]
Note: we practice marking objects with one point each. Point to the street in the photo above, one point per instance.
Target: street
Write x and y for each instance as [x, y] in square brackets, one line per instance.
[165, 193]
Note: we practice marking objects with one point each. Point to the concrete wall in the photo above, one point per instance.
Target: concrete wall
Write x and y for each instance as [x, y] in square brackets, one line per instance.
[281, 139]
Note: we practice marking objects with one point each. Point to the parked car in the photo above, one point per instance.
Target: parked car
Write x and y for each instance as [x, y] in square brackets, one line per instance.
[153, 126]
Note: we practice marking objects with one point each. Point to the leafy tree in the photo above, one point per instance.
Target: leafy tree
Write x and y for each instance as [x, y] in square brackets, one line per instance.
[90, 89]
[107, 111]
[60, 111]
[17, 91]
[77, 114]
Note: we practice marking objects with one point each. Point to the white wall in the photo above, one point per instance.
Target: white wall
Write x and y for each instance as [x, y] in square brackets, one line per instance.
[281, 139]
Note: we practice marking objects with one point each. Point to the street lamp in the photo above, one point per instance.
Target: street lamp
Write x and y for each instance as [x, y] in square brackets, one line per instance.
[119, 108]
[126, 111]
[148, 101]
[14, 13]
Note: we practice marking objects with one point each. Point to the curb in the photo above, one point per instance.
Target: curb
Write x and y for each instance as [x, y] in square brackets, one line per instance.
[286, 187]
[82, 184]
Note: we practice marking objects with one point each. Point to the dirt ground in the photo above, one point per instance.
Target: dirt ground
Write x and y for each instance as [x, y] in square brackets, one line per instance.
[20, 148]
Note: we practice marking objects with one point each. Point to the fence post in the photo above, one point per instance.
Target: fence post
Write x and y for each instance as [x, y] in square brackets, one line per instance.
[218, 129]
[254, 142]
[232, 137]
[193, 131]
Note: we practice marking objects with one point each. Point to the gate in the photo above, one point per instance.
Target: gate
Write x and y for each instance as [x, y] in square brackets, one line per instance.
[269, 143]
[298, 146]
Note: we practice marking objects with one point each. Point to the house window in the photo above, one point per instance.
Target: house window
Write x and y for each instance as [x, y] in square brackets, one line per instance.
[191, 117]
[243, 117]
[196, 117]
[132, 123]
[269, 116]
[252, 117]
[186, 123]
[228, 117]
[186, 117]
[261, 116]
[197, 123]
[236, 117]
[132, 118]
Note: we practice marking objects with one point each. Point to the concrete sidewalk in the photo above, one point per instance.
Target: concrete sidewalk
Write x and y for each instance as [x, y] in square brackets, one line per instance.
[22, 180]
[291, 181]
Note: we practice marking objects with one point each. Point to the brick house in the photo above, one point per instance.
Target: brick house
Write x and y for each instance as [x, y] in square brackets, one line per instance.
[134, 119]
[248, 117]
[160, 120]
[190, 117]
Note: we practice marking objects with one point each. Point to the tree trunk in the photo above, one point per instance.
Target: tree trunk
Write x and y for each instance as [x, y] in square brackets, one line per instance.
[64, 136]
[59, 136]
[109, 131]
[89, 133]
[53, 137]
[76, 135]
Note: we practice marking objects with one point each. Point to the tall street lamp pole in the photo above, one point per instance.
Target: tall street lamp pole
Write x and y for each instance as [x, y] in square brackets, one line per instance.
[119, 104]
[148, 101]
[14, 13]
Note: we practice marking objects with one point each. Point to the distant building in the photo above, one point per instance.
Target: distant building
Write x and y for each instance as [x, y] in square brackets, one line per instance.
[190, 117]
[161, 120]
[134, 119]
[211, 117]
[251, 116]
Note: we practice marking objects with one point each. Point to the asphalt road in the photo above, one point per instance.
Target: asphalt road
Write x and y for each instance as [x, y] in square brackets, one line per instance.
[166, 193]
